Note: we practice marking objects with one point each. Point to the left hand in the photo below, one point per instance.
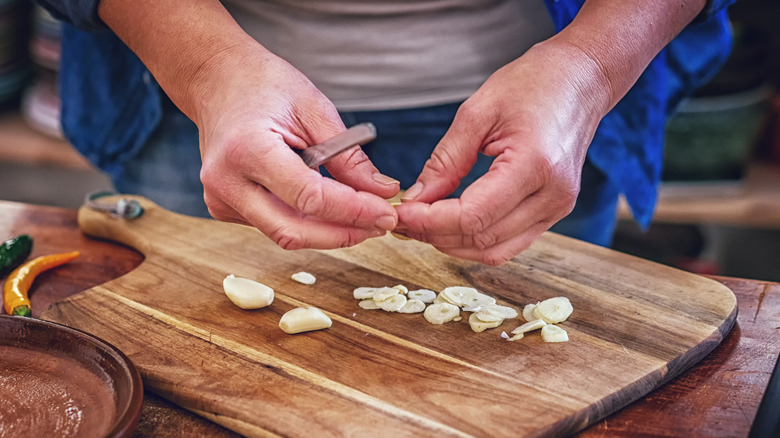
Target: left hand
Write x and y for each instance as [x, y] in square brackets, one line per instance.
[537, 116]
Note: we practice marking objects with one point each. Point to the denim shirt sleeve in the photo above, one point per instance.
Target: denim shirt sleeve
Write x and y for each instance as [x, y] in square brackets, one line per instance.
[80, 13]
[628, 144]
[111, 104]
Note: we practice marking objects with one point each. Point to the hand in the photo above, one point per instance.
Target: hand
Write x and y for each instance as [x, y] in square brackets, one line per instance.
[537, 116]
[258, 108]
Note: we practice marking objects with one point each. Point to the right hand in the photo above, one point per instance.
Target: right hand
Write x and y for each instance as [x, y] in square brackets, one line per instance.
[250, 111]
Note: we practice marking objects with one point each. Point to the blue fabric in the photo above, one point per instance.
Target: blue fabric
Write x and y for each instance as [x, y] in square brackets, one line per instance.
[80, 13]
[111, 105]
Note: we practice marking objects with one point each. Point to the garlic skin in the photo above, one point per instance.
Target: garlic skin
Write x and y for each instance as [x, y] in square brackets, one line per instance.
[247, 294]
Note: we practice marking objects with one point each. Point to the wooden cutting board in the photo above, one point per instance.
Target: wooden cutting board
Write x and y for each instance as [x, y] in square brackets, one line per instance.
[635, 325]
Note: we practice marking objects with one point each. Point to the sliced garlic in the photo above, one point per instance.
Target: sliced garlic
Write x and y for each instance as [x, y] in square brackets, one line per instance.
[474, 303]
[532, 325]
[441, 313]
[392, 303]
[304, 319]
[304, 278]
[368, 304]
[553, 310]
[553, 333]
[401, 288]
[384, 293]
[412, 305]
[528, 311]
[485, 315]
[246, 293]
[516, 337]
[457, 294]
[505, 312]
[424, 295]
[364, 293]
[478, 325]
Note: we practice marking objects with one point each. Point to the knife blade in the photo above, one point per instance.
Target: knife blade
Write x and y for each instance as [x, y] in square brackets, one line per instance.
[320, 153]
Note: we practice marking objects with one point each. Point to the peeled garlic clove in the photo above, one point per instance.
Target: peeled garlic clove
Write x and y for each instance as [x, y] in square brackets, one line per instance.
[246, 293]
[304, 278]
[441, 313]
[412, 305]
[478, 325]
[516, 337]
[553, 333]
[528, 312]
[553, 310]
[364, 293]
[384, 293]
[392, 304]
[304, 319]
[424, 295]
[532, 325]
[368, 304]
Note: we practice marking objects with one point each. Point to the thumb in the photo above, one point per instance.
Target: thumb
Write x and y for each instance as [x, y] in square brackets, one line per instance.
[451, 160]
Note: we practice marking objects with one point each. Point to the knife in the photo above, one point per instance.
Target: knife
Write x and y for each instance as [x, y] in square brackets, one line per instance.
[318, 154]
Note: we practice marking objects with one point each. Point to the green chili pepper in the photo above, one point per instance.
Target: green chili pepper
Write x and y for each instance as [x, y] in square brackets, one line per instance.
[13, 252]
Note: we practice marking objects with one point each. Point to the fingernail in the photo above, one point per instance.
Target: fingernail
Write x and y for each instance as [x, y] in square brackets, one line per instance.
[386, 222]
[413, 191]
[384, 179]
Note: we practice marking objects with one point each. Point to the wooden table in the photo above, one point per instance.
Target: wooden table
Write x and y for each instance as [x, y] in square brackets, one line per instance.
[751, 202]
[718, 397]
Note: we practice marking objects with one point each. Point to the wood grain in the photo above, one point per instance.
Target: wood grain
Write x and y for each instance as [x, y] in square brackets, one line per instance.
[636, 325]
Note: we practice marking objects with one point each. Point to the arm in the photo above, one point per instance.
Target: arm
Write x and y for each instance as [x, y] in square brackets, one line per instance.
[537, 116]
[251, 107]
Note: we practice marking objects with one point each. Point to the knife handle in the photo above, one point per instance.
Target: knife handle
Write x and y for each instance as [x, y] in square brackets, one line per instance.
[318, 154]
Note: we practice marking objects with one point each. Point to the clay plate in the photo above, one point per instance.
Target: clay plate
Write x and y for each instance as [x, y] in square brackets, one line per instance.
[59, 381]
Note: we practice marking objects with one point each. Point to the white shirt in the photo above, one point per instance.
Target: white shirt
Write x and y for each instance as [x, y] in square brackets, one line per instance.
[390, 54]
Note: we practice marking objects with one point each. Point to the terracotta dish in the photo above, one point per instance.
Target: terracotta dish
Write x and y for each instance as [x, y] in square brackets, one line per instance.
[59, 381]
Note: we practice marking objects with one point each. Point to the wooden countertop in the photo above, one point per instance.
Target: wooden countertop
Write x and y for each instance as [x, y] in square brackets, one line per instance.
[718, 397]
[751, 202]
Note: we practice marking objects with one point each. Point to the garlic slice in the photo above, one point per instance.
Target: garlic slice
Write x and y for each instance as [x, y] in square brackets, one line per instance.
[441, 313]
[412, 305]
[532, 325]
[384, 293]
[478, 325]
[424, 295]
[364, 293]
[368, 304]
[553, 310]
[304, 278]
[392, 303]
[528, 311]
[553, 333]
[246, 293]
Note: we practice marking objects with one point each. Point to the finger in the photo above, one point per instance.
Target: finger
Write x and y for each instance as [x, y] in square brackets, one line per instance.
[504, 251]
[486, 201]
[355, 169]
[453, 157]
[545, 206]
[284, 174]
[287, 227]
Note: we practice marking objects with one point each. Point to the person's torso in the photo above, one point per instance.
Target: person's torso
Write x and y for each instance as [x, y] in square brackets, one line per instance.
[387, 54]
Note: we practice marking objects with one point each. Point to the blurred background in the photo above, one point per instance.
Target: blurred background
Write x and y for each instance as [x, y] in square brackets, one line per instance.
[719, 209]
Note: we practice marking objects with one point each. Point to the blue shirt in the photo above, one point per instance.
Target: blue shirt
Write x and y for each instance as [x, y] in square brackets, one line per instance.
[111, 104]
